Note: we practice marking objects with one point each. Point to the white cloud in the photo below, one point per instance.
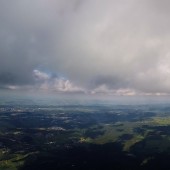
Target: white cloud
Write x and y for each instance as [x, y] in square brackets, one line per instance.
[56, 84]
[40, 75]
[103, 89]
[12, 87]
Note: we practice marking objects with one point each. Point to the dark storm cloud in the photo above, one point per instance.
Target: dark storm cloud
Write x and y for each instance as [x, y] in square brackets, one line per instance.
[99, 44]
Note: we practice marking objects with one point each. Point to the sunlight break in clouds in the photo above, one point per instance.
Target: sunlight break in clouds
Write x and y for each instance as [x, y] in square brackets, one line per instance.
[58, 84]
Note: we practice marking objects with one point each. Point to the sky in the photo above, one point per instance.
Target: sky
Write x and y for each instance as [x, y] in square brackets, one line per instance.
[111, 47]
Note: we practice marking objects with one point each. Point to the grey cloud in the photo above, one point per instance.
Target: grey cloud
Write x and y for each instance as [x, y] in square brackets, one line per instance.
[116, 43]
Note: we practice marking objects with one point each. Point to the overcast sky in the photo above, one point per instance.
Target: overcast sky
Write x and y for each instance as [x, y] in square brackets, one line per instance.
[85, 46]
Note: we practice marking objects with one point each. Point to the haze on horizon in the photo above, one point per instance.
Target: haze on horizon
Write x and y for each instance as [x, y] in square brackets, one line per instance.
[111, 47]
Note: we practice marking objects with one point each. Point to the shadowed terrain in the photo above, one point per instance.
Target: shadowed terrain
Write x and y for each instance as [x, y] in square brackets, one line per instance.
[84, 137]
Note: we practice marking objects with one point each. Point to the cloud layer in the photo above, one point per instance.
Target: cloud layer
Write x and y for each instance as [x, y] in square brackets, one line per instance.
[108, 46]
